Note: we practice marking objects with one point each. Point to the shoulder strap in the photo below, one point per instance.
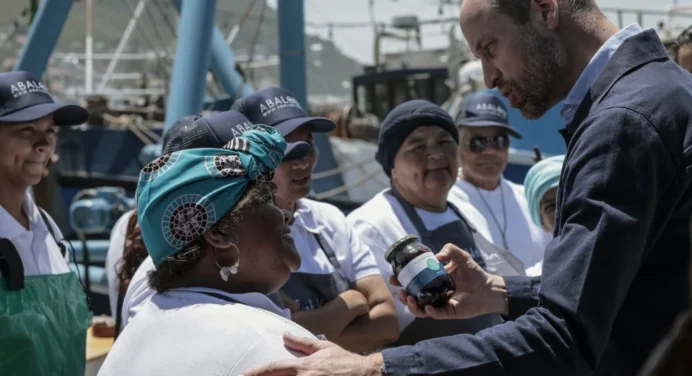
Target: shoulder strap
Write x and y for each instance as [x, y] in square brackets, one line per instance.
[462, 217]
[412, 215]
[44, 215]
[63, 251]
[331, 256]
[11, 265]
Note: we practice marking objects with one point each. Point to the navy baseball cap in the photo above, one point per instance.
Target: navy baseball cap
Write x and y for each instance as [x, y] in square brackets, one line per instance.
[212, 131]
[484, 109]
[24, 99]
[278, 108]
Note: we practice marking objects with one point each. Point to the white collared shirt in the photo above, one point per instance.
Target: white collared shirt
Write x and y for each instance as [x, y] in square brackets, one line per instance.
[590, 74]
[138, 292]
[116, 248]
[526, 240]
[37, 249]
[382, 221]
[185, 332]
[313, 217]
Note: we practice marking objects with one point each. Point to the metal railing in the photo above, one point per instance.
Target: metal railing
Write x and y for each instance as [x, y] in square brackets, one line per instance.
[620, 14]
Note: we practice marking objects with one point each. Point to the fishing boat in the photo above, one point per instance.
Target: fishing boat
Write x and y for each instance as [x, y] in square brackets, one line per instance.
[445, 77]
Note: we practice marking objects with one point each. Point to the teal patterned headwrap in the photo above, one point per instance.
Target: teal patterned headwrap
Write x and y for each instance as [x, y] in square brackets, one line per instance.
[541, 177]
[181, 195]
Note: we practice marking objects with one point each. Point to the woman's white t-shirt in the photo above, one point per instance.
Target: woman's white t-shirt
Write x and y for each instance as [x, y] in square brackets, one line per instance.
[186, 332]
[381, 222]
[483, 208]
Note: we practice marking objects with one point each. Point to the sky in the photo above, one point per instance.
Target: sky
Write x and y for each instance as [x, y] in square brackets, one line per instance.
[357, 42]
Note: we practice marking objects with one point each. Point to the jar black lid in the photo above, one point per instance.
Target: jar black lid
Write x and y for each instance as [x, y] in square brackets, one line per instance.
[405, 240]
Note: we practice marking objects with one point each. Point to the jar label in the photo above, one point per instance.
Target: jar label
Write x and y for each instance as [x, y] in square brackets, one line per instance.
[419, 272]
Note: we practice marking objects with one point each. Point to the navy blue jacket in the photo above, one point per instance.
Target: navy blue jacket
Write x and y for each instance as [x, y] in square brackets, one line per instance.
[616, 275]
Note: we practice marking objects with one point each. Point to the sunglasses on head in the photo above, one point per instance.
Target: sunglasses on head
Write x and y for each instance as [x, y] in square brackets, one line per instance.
[478, 144]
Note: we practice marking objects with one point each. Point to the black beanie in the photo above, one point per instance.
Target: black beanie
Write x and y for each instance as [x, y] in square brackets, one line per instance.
[403, 120]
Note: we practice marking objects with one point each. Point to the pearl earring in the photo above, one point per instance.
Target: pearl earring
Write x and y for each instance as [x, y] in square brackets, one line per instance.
[226, 271]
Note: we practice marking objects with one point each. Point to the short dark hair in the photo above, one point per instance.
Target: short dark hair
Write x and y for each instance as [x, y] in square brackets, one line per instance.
[683, 39]
[167, 275]
[518, 10]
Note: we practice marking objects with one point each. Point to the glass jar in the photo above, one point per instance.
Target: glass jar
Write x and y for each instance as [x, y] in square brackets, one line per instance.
[417, 269]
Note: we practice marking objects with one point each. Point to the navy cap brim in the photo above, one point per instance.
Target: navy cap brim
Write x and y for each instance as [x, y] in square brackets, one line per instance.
[63, 114]
[470, 122]
[296, 150]
[314, 124]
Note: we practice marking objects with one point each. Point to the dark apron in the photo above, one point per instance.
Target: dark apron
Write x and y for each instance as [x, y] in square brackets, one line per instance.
[311, 291]
[464, 236]
[43, 319]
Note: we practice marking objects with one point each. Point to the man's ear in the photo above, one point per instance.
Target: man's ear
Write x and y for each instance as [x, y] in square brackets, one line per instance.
[547, 12]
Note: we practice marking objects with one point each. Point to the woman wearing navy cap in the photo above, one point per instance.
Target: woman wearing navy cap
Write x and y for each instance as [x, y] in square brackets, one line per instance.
[417, 148]
[338, 290]
[44, 313]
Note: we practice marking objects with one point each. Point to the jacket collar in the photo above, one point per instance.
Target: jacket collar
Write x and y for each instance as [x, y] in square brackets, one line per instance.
[10, 228]
[634, 52]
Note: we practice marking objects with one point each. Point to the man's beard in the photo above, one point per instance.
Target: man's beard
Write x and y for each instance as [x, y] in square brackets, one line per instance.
[543, 63]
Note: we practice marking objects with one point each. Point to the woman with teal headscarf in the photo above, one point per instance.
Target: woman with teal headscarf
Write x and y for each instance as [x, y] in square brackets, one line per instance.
[220, 246]
[540, 187]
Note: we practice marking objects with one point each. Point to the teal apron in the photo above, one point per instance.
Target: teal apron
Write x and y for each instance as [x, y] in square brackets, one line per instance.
[43, 320]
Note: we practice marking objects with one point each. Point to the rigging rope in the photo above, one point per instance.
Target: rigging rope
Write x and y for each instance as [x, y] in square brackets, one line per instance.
[255, 39]
[340, 169]
[243, 18]
[339, 190]
[162, 66]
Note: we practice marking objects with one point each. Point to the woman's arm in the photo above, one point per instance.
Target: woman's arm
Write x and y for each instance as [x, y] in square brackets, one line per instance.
[379, 327]
[332, 318]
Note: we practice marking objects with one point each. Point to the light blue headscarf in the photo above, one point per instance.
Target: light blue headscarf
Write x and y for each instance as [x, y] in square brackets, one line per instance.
[181, 195]
[542, 177]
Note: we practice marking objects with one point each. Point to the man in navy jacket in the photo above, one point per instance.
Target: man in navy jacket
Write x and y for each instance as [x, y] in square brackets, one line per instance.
[615, 276]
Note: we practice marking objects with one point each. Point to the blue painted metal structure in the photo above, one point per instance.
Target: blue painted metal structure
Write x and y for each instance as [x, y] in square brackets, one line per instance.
[293, 77]
[192, 58]
[292, 49]
[43, 36]
[223, 66]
